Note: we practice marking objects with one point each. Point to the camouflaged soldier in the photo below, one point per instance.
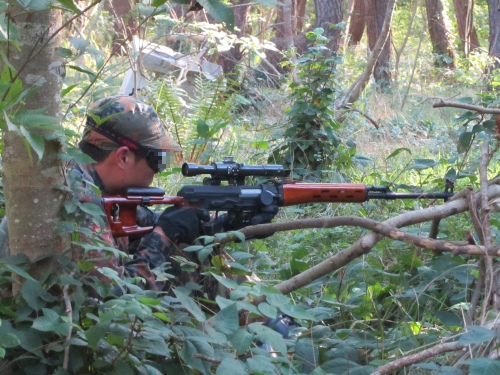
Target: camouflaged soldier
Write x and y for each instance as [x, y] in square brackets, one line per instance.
[129, 145]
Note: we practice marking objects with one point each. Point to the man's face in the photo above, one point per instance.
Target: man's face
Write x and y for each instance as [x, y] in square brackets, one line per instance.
[139, 173]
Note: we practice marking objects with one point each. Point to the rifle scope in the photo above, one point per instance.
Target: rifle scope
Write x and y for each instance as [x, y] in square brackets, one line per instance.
[228, 169]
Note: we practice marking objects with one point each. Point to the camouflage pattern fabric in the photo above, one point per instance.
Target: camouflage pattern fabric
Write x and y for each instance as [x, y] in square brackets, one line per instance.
[129, 117]
[147, 253]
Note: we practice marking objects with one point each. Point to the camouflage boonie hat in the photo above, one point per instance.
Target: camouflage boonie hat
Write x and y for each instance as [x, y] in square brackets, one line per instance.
[126, 121]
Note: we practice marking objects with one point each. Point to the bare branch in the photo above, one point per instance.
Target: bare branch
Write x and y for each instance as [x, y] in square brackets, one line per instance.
[469, 107]
[418, 357]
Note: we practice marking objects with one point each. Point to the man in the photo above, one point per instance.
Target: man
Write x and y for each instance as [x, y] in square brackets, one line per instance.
[129, 144]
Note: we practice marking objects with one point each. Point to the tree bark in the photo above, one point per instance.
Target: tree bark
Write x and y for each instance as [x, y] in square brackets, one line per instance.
[353, 93]
[494, 20]
[32, 203]
[466, 28]
[231, 58]
[299, 12]
[375, 16]
[439, 34]
[125, 24]
[329, 13]
[357, 22]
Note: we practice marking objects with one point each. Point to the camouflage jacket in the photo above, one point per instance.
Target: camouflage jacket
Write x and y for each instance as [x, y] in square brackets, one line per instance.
[147, 253]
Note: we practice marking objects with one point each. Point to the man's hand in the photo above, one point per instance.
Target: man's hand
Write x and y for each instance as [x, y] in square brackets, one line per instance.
[182, 224]
[265, 216]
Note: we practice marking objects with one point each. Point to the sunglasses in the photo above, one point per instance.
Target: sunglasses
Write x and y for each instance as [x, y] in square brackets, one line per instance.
[159, 160]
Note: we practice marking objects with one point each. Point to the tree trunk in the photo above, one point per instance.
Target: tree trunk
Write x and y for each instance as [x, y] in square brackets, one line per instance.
[329, 14]
[466, 28]
[494, 16]
[439, 34]
[231, 58]
[353, 93]
[357, 22]
[299, 13]
[375, 15]
[32, 202]
[125, 24]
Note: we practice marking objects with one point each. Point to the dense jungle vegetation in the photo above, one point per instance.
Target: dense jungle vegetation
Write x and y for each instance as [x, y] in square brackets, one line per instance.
[367, 298]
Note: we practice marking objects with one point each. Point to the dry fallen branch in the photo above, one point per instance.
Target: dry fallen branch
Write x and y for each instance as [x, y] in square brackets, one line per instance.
[418, 357]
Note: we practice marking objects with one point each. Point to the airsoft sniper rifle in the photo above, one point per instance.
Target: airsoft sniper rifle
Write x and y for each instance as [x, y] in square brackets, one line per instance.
[241, 202]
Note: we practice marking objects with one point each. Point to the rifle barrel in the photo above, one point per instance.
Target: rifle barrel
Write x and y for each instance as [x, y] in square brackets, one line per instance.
[391, 196]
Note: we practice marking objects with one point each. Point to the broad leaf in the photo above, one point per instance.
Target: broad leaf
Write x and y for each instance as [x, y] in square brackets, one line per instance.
[190, 305]
[219, 11]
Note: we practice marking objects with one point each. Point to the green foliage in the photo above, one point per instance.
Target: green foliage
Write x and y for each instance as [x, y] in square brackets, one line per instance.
[198, 121]
[310, 142]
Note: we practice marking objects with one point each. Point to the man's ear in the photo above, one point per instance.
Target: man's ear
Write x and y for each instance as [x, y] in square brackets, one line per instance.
[122, 157]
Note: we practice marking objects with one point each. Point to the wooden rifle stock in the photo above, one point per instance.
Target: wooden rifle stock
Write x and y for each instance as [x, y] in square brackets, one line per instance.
[121, 210]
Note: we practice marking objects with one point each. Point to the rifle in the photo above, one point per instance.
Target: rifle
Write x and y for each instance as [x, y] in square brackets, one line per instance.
[239, 201]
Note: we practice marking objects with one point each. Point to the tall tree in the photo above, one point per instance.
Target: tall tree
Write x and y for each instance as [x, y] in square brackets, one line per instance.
[125, 24]
[466, 28]
[357, 21]
[494, 17]
[32, 202]
[375, 16]
[232, 57]
[440, 34]
[329, 13]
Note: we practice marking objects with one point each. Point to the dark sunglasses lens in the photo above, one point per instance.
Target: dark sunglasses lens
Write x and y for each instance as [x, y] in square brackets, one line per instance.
[158, 161]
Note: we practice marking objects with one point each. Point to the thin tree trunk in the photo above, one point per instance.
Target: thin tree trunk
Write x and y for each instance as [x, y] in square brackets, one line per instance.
[32, 201]
[466, 28]
[439, 34]
[124, 24]
[376, 14]
[233, 57]
[357, 22]
[299, 15]
[329, 13]
[353, 93]
[494, 17]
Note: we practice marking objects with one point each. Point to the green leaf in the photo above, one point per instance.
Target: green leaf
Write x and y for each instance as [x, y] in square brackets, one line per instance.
[202, 128]
[9, 340]
[241, 340]
[69, 4]
[483, 366]
[269, 336]
[219, 11]
[190, 305]
[231, 366]
[35, 141]
[35, 295]
[226, 320]
[397, 152]
[477, 335]
[268, 310]
[46, 322]
[19, 271]
[91, 209]
[464, 141]
[225, 281]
